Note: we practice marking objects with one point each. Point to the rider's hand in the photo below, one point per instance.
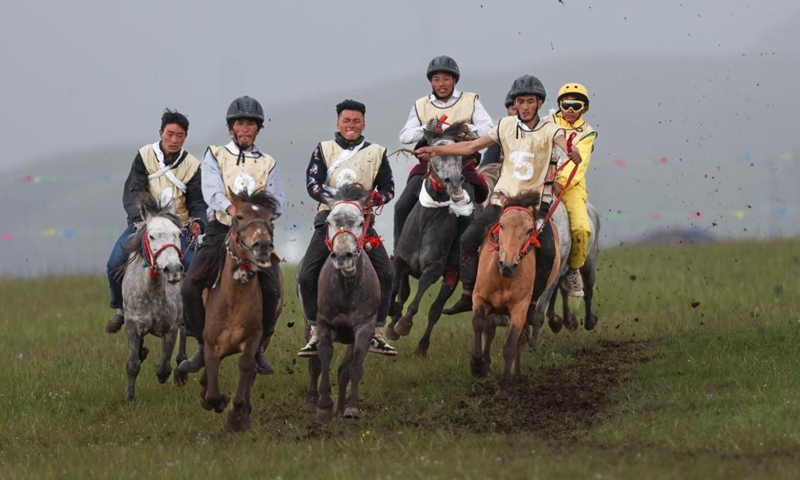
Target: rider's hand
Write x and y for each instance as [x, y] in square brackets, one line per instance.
[231, 210]
[575, 156]
[424, 153]
[195, 229]
[375, 198]
[557, 189]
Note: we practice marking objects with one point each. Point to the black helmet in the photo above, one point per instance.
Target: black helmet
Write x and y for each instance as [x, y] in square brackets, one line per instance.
[527, 85]
[445, 64]
[245, 107]
[509, 99]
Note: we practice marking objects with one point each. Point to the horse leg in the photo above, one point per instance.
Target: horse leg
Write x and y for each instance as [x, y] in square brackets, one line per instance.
[555, 322]
[400, 292]
[203, 390]
[214, 398]
[134, 362]
[343, 375]
[513, 335]
[312, 396]
[477, 363]
[164, 369]
[570, 320]
[325, 349]
[434, 314]
[180, 378]
[356, 367]
[587, 272]
[239, 416]
[429, 275]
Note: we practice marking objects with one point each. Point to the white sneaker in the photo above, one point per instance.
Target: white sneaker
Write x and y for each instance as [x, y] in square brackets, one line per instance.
[310, 350]
[378, 345]
[573, 283]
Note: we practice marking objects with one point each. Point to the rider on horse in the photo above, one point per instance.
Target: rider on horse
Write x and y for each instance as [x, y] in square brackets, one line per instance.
[573, 103]
[228, 169]
[349, 158]
[494, 154]
[445, 106]
[527, 142]
[170, 174]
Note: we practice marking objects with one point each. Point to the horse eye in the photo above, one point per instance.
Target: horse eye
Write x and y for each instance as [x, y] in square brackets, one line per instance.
[239, 217]
[151, 237]
[530, 232]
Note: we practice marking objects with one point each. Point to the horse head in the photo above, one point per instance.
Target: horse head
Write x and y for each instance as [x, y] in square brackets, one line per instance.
[347, 227]
[446, 170]
[251, 234]
[514, 236]
[160, 239]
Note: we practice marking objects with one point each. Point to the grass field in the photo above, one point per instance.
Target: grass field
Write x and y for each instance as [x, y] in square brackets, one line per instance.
[692, 372]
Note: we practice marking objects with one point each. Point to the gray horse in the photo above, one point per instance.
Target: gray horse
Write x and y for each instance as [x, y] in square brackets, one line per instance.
[427, 237]
[151, 291]
[348, 299]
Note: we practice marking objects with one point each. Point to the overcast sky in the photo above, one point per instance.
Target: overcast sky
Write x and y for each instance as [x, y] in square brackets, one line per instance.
[91, 73]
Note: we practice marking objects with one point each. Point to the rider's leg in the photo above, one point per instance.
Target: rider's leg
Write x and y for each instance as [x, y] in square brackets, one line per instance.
[545, 255]
[188, 252]
[115, 262]
[269, 281]
[380, 262]
[405, 203]
[580, 230]
[308, 276]
[471, 241]
[479, 190]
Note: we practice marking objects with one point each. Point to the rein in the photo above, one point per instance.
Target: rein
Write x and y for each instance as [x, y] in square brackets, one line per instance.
[360, 240]
[530, 243]
[150, 257]
[436, 183]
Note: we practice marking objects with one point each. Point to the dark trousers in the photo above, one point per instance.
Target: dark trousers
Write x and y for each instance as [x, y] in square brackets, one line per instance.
[200, 278]
[118, 258]
[476, 233]
[315, 257]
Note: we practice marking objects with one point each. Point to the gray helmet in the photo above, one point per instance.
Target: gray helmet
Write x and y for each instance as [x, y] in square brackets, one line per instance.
[509, 100]
[245, 107]
[527, 85]
[445, 64]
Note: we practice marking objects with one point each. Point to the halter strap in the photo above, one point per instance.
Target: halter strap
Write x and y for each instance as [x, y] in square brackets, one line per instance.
[360, 240]
[150, 257]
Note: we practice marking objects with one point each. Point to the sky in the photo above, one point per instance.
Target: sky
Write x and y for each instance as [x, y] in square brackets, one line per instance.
[685, 95]
[91, 73]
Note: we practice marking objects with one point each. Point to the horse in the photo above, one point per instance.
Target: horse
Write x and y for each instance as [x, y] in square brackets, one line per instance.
[150, 289]
[427, 236]
[587, 274]
[348, 300]
[234, 305]
[504, 285]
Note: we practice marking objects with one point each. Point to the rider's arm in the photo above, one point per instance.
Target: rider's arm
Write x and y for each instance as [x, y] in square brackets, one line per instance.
[384, 181]
[134, 185]
[561, 141]
[460, 148]
[481, 121]
[585, 147]
[316, 174]
[275, 188]
[213, 185]
[194, 200]
[413, 131]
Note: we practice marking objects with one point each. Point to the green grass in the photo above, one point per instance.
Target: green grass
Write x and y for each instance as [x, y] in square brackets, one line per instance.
[692, 372]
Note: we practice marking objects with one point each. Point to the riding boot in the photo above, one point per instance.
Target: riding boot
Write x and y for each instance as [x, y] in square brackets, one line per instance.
[115, 323]
[464, 304]
[263, 367]
[194, 364]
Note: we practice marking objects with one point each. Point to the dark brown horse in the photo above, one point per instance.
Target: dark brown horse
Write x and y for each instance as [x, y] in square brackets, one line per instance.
[506, 274]
[348, 299]
[234, 306]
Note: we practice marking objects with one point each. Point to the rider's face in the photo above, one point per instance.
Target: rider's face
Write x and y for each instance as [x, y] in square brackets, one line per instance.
[443, 85]
[350, 124]
[527, 106]
[172, 138]
[243, 132]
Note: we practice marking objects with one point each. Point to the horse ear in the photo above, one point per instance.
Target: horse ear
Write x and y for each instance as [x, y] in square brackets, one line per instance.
[147, 205]
[236, 198]
[502, 198]
[327, 198]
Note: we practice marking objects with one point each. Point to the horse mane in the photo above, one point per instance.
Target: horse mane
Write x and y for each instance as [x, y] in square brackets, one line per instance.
[147, 203]
[260, 198]
[455, 132]
[352, 192]
[525, 199]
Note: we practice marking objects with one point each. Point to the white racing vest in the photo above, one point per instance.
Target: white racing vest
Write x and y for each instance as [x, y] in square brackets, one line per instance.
[251, 175]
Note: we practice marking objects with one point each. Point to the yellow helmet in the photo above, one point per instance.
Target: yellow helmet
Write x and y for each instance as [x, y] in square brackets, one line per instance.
[573, 88]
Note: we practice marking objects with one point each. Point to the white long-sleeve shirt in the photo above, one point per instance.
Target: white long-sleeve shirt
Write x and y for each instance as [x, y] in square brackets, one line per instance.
[413, 132]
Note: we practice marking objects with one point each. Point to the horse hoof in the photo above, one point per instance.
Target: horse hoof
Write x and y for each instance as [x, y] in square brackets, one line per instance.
[478, 367]
[220, 407]
[206, 406]
[391, 334]
[310, 407]
[163, 377]
[180, 378]
[403, 327]
[502, 394]
[351, 412]
[555, 323]
[571, 322]
[237, 422]
[590, 322]
[143, 351]
[324, 413]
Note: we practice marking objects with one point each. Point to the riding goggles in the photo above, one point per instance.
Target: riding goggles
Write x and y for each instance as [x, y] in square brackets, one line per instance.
[575, 105]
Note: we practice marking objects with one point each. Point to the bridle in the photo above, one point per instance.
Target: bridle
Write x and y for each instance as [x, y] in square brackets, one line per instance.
[530, 243]
[150, 257]
[360, 239]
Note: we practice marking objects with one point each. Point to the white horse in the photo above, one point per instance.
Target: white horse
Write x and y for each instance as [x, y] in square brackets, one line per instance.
[151, 290]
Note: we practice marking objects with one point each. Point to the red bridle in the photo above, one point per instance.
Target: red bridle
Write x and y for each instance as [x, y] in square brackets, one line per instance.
[360, 240]
[150, 257]
[530, 243]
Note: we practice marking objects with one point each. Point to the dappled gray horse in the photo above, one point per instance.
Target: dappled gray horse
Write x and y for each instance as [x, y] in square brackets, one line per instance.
[427, 237]
[348, 299]
[150, 289]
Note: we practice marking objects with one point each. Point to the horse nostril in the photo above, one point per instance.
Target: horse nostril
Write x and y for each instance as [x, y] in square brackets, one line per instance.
[349, 255]
[447, 180]
[256, 245]
[333, 255]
